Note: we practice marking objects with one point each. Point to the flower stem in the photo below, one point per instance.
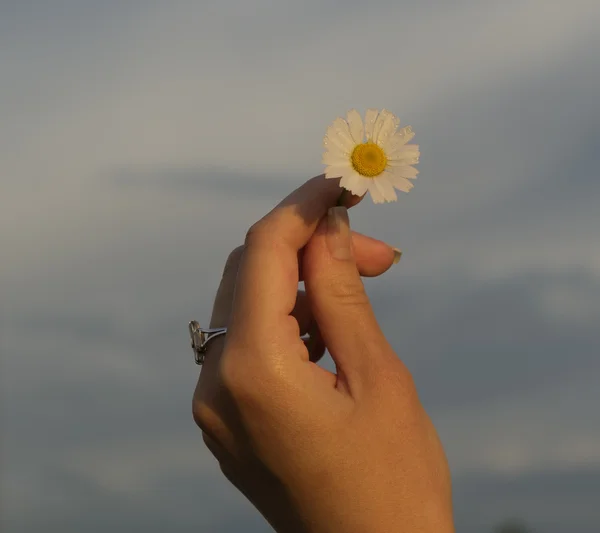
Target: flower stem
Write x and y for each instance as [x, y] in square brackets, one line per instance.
[340, 200]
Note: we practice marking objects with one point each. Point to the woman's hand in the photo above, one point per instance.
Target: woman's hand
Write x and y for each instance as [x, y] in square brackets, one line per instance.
[317, 452]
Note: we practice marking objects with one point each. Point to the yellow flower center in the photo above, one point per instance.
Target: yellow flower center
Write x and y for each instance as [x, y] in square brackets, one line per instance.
[368, 159]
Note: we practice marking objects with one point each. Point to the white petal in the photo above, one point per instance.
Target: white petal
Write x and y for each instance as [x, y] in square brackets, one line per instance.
[334, 157]
[386, 187]
[381, 118]
[408, 154]
[370, 118]
[405, 133]
[398, 168]
[385, 127]
[399, 139]
[355, 183]
[376, 194]
[411, 148]
[334, 144]
[337, 171]
[342, 130]
[402, 184]
[339, 136]
[355, 125]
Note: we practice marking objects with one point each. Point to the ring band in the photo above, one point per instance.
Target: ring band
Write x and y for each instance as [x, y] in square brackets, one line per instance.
[201, 337]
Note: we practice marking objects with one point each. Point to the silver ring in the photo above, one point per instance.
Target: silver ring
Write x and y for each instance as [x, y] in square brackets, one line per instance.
[201, 337]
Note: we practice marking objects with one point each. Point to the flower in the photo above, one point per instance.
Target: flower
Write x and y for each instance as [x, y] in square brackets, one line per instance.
[371, 156]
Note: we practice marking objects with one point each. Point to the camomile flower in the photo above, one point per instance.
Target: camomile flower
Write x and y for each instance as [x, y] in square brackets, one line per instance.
[372, 156]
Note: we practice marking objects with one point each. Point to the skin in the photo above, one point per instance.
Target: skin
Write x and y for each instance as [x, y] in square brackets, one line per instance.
[314, 451]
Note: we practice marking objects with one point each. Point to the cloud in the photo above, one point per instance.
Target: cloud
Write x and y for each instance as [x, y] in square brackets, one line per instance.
[150, 100]
[139, 142]
[552, 501]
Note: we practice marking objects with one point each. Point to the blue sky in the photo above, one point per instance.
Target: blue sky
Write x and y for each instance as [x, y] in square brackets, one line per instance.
[139, 140]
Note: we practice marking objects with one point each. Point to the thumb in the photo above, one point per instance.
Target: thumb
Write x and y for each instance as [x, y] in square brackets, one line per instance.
[340, 304]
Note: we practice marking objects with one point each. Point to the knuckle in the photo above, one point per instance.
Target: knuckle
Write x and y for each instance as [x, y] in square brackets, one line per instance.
[233, 377]
[214, 447]
[230, 474]
[207, 440]
[233, 260]
[404, 387]
[198, 414]
[204, 416]
[350, 293]
[246, 383]
[256, 233]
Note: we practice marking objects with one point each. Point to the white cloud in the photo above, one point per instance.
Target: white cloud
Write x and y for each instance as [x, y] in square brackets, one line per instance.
[547, 427]
[502, 96]
[128, 467]
[173, 86]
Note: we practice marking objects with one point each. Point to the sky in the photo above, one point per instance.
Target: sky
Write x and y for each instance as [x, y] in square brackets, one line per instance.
[140, 139]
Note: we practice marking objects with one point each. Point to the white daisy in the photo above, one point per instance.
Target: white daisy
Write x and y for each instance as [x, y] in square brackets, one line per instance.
[373, 156]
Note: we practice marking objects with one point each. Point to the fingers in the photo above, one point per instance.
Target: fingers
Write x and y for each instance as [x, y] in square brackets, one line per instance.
[269, 268]
[339, 303]
[224, 297]
[315, 345]
[306, 324]
[302, 313]
[373, 257]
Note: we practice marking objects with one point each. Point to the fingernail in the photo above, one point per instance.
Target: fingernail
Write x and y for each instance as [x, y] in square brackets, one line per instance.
[397, 255]
[339, 238]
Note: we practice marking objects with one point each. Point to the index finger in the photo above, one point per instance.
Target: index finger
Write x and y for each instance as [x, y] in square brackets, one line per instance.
[268, 275]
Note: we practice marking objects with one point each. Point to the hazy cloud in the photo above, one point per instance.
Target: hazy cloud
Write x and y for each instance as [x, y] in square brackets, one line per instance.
[138, 142]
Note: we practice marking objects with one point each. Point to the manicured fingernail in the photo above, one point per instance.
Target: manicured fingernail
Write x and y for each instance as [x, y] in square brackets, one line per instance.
[339, 238]
[397, 255]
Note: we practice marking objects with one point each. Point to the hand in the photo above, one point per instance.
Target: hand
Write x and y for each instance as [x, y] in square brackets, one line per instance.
[317, 452]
